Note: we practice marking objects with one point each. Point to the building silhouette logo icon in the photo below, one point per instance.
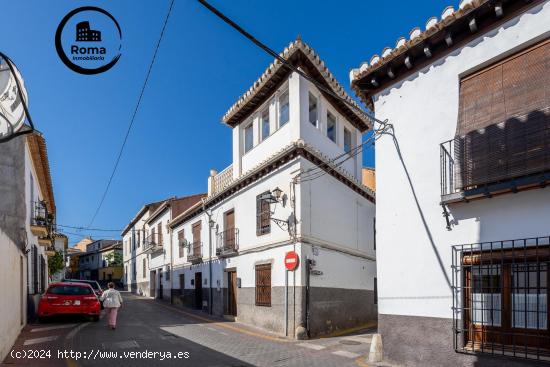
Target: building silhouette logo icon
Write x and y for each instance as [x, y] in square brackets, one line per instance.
[83, 49]
[85, 34]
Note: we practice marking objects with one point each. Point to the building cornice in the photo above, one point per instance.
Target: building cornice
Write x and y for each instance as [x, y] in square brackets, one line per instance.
[301, 55]
[285, 155]
[453, 30]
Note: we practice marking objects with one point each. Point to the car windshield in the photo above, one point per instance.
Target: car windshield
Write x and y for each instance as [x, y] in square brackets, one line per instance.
[94, 285]
[69, 290]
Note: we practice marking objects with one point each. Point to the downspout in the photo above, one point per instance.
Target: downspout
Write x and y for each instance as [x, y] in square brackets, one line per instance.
[209, 256]
[171, 261]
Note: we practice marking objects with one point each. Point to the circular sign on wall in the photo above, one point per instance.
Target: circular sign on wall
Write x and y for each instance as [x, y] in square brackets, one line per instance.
[291, 260]
[88, 40]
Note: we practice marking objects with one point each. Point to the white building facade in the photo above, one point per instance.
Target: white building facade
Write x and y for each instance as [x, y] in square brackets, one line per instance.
[462, 216]
[294, 186]
[27, 219]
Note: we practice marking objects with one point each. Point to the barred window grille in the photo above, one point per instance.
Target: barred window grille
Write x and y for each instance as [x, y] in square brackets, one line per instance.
[500, 298]
[263, 285]
[263, 215]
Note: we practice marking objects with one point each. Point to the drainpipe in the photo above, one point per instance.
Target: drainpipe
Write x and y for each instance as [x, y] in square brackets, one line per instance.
[171, 262]
[209, 256]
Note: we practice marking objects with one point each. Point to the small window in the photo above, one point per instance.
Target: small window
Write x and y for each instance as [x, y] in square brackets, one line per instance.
[248, 137]
[167, 272]
[138, 238]
[265, 124]
[313, 110]
[347, 140]
[263, 285]
[181, 242]
[331, 127]
[144, 268]
[263, 215]
[284, 109]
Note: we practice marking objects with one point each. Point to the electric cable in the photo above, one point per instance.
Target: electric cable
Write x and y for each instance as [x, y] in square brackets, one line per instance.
[117, 161]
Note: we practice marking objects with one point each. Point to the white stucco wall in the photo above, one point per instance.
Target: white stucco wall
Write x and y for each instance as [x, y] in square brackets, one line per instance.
[413, 245]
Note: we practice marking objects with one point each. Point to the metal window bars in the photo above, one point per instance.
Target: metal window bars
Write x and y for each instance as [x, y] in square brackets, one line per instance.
[500, 298]
[227, 242]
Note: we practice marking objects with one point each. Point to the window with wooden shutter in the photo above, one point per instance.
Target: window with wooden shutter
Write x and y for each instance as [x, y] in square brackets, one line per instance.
[263, 215]
[503, 129]
[263, 285]
[181, 240]
[159, 229]
[196, 228]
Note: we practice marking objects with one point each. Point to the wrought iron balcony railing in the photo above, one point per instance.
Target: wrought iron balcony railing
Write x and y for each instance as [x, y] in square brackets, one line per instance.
[227, 242]
[153, 243]
[39, 214]
[195, 252]
[501, 158]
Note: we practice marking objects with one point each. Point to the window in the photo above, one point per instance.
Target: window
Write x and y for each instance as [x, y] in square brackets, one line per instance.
[248, 137]
[263, 215]
[182, 283]
[500, 294]
[284, 109]
[196, 228]
[265, 124]
[144, 268]
[138, 237]
[347, 140]
[167, 272]
[181, 242]
[313, 110]
[159, 228]
[263, 285]
[331, 127]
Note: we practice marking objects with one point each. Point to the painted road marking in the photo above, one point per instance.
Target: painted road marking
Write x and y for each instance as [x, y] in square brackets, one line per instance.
[52, 328]
[40, 340]
[344, 353]
[311, 346]
[211, 329]
[360, 339]
[221, 332]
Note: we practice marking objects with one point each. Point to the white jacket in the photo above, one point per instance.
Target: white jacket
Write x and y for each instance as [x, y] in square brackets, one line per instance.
[111, 298]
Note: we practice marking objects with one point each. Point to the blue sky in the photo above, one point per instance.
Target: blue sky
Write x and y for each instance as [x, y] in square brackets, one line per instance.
[202, 68]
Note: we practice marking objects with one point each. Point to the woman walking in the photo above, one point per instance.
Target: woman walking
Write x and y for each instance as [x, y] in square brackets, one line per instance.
[112, 301]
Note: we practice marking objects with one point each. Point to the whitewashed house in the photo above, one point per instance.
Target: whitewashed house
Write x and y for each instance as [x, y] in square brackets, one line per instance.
[27, 217]
[229, 250]
[146, 250]
[463, 207]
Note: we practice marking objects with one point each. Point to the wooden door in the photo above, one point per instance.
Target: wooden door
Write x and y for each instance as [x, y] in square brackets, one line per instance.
[182, 284]
[232, 293]
[160, 284]
[229, 228]
[198, 290]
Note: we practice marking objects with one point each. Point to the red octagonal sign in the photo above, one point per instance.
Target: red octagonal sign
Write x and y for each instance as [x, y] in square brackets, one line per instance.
[291, 260]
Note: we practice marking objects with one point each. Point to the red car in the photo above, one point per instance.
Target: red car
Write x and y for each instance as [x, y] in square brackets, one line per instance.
[69, 298]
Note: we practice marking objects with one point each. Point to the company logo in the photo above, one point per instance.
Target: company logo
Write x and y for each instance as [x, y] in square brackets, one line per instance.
[88, 40]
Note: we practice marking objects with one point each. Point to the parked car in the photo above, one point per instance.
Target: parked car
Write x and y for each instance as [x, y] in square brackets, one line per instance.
[95, 285]
[66, 298]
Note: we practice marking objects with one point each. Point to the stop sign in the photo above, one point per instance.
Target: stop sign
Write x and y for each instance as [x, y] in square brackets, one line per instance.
[291, 260]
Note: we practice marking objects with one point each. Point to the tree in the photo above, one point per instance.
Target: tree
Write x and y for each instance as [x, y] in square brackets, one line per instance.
[114, 258]
[55, 263]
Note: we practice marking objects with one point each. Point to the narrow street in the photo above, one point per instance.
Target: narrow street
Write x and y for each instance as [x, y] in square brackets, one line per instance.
[180, 337]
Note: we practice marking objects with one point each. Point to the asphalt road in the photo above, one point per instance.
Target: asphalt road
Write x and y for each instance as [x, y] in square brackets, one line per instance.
[151, 333]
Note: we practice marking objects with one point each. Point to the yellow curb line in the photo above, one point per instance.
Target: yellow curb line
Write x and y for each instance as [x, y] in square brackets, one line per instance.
[350, 330]
[233, 328]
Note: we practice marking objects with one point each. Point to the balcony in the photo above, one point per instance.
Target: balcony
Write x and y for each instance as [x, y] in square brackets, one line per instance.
[227, 243]
[496, 160]
[153, 243]
[195, 253]
[41, 220]
[220, 181]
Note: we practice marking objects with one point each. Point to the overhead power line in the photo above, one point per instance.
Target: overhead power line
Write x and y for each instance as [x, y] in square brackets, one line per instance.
[284, 61]
[117, 161]
[88, 229]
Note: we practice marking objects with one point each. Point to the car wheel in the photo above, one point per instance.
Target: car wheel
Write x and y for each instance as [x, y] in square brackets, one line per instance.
[95, 318]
